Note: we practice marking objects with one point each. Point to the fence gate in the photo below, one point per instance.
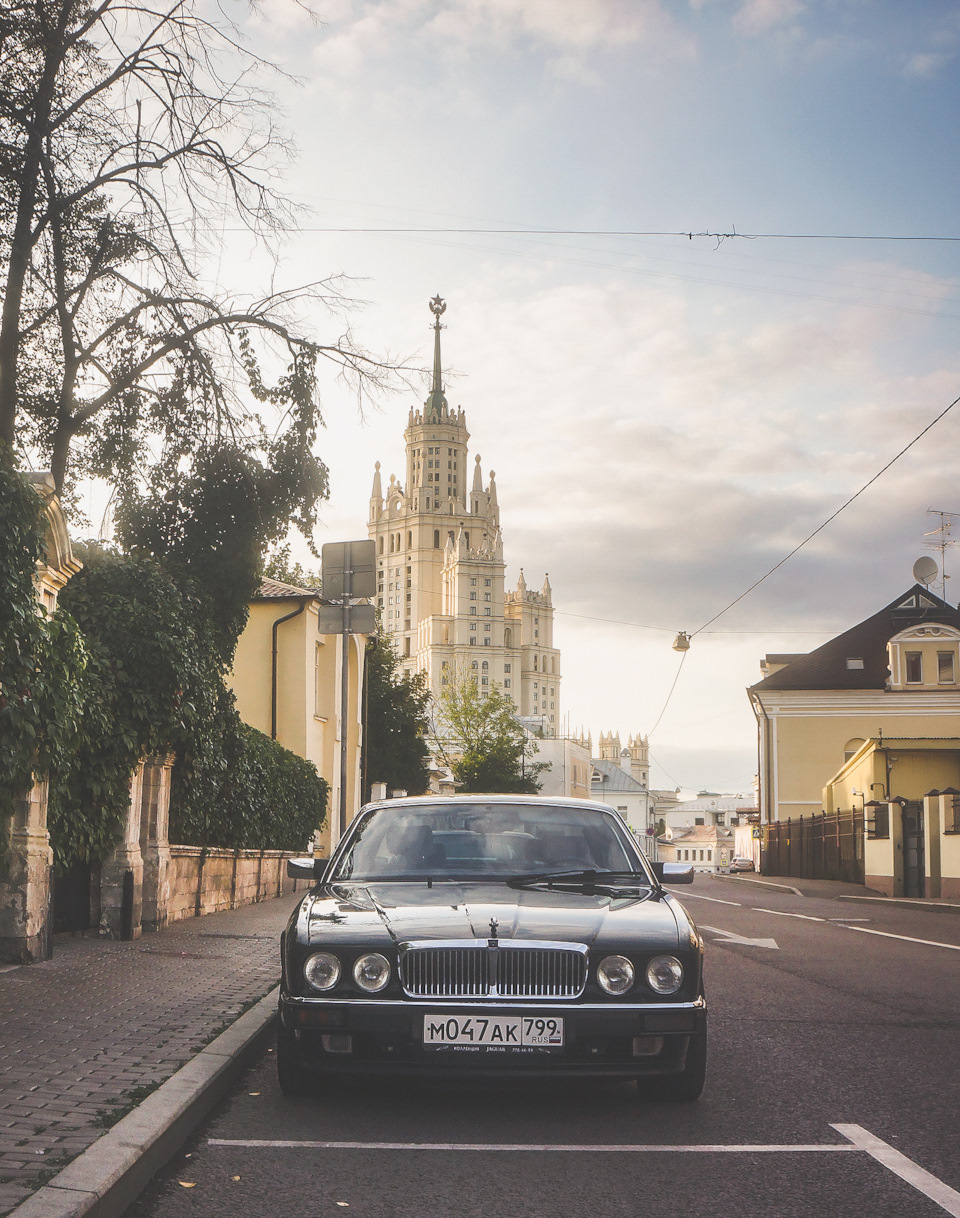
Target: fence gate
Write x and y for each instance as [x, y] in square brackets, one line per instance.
[913, 848]
[71, 899]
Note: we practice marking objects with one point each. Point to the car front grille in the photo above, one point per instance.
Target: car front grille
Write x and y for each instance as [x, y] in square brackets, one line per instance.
[484, 970]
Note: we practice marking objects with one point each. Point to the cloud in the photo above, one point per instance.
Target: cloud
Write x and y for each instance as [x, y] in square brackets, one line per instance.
[757, 17]
[926, 64]
[414, 44]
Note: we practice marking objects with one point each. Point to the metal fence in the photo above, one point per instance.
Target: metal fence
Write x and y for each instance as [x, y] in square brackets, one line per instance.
[823, 846]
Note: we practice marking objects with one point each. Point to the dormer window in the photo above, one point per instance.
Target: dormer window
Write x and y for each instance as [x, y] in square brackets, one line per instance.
[925, 655]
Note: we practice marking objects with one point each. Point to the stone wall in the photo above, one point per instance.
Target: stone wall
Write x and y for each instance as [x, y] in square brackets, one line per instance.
[203, 882]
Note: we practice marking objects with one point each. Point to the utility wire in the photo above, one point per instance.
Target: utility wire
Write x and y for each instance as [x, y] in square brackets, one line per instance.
[617, 232]
[669, 695]
[821, 527]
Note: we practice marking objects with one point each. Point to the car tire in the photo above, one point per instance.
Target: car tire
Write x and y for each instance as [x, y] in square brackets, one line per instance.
[680, 1088]
[291, 1076]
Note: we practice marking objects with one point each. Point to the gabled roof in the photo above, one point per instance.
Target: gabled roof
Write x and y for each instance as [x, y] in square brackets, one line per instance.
[702, 833]
[614, 777]
[273, 589]
[826, 667]
[712, 803]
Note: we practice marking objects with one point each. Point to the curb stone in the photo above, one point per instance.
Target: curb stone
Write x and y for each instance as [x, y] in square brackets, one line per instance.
[928, 903]
[742, 879]
[107, 1177]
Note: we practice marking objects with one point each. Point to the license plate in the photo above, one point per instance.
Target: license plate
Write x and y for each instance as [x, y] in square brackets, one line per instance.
[493, 1032]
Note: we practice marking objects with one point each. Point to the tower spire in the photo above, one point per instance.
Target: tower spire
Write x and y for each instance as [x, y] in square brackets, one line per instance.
[436, 401]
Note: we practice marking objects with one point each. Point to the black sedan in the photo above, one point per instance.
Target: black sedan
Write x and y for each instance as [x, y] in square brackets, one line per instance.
[485, 935]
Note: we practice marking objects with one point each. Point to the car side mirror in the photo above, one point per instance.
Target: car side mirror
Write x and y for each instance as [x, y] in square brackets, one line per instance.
[305, 869]
[673, 873]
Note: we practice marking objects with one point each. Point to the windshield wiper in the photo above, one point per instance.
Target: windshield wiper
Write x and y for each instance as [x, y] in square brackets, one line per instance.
[588, 880]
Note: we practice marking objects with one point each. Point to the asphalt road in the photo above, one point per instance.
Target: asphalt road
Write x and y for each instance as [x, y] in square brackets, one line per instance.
[823, 1014]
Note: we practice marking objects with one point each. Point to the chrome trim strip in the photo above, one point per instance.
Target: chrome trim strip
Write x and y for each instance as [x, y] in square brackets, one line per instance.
[613, 1007]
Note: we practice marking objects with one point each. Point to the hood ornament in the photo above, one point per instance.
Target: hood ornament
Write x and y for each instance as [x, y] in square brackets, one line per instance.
[494, 927]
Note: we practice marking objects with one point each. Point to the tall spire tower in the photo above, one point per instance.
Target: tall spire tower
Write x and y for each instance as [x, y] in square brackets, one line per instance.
[440, 568]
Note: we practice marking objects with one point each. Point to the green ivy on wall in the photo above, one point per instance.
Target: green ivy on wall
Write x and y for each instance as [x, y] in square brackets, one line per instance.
[42, 660]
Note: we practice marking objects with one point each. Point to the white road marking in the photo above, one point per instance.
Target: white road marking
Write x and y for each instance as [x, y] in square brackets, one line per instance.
[850, 919]
[782, 914]
[866, 930]
[730, 937]
[942, 1194]
[283, 1144]
[686, 896]
[859, 1140]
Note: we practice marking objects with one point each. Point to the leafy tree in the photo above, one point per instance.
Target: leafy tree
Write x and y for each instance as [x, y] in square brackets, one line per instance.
[397, 720]
[279, 567]
[125, 133]
[479, 737]
[153, 684]
[139, 690]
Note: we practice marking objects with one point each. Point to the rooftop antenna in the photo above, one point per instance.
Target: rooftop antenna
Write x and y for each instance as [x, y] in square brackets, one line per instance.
[941, 540]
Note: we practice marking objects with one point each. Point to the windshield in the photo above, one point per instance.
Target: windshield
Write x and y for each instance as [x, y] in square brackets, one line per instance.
[476, 840]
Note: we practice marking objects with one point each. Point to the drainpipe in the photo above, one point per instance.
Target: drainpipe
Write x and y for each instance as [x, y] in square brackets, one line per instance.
[763, 726]
[763, 746]
[273, 676]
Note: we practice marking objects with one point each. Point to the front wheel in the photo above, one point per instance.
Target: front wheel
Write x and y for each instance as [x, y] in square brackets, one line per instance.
[684, 1087]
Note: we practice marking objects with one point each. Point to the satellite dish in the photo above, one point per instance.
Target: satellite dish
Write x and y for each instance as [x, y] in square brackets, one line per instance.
[925, 570]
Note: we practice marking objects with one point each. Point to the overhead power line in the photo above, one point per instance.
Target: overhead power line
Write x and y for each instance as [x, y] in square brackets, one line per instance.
[832, 517]
[617, 232]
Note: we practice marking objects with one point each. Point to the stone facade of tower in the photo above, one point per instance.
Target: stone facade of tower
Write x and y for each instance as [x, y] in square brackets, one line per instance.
[440, 569]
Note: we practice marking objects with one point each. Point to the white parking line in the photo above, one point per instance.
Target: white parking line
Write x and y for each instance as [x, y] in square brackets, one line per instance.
[944, 1196]
[886, 934]
[782, 914]
[696, 1148]
[859, 1140]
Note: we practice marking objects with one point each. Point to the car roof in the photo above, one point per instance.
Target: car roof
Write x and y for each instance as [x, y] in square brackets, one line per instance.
[439, 802]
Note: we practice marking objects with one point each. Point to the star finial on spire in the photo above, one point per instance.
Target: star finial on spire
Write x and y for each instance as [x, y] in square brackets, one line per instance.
[436, 402]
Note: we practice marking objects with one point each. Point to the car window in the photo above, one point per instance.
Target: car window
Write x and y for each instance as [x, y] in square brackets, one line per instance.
[483, 839]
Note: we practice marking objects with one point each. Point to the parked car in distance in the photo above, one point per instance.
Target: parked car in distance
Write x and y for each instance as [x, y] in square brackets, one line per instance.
[491, 935]
[742, 864]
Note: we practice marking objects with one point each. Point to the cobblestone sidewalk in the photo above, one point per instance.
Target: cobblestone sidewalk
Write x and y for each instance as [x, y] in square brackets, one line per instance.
[87, 1034]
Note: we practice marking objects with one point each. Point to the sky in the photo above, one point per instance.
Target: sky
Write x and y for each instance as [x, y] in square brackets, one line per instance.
[668, 415]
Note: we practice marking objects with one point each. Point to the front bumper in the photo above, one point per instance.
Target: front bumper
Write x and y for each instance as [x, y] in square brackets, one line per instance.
[381, 1037]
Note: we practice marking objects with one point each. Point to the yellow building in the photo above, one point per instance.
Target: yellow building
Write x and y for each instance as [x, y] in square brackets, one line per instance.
[286, 680]
[895, 674]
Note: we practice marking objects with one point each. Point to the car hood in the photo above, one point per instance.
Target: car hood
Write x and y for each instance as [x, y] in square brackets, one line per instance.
[402, 912]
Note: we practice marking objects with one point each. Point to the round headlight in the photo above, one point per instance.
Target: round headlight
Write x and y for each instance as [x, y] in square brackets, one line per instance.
[665, 974]
[616, 974]
[372, 972]
[321, 971]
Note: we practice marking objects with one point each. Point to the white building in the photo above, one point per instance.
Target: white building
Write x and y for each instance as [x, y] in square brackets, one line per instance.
[440, 569]
[708, 809]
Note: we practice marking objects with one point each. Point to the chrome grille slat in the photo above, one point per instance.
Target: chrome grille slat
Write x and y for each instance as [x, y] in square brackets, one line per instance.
[482, 969]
